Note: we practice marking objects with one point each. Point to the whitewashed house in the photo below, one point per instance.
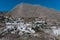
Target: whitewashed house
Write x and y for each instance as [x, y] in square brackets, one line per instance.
[56, 30]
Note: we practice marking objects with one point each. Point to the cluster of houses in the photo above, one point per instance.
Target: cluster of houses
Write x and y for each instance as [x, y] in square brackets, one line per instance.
[20, 26]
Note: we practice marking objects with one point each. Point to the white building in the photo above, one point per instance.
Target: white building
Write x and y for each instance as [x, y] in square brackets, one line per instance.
[56, 30]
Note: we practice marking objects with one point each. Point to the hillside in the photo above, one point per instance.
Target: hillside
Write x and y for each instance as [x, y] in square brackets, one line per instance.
[41, 36]
[29, 10]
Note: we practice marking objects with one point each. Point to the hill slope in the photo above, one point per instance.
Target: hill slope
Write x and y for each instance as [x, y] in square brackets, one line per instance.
[28, 10]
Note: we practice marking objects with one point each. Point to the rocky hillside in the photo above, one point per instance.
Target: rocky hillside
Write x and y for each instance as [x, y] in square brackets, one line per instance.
[29, 10]
[40, 36]
[2, 18]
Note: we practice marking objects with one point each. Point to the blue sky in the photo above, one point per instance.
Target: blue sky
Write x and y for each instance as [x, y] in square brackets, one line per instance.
[6, 5]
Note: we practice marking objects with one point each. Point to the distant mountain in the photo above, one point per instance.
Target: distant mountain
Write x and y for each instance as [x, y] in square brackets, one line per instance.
[2, 12]
[29, 10]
